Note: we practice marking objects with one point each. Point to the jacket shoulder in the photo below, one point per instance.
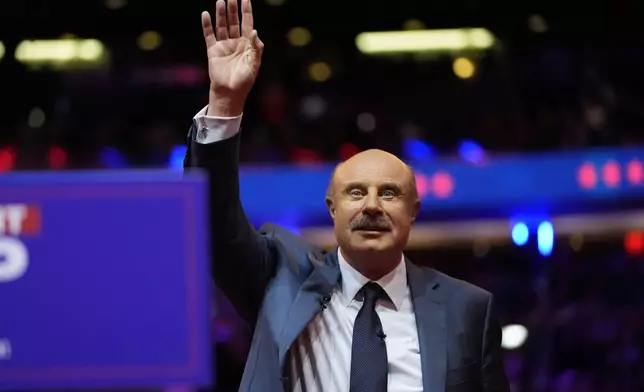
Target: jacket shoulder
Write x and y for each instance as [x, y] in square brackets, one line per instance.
[460, 290]
[289, 247]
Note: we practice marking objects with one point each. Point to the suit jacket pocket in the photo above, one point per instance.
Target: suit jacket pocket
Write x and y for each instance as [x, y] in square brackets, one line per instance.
[463, 374]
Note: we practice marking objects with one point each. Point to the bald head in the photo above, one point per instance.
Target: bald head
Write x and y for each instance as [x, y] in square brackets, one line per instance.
[373, 201]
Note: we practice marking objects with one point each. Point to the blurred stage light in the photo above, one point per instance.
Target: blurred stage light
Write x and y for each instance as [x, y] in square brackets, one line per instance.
[545, 238]
[149, 40]
[587, 176]
[537, 24]
[634, 242]
[514, 336]
[112, 158]
[635, 172]
[347, 150]
[299, 36]
[420, 41]
[576, 242]
[57, 157]
[414, 24]
[612, 174]
[63, 53]
[520, 234]
[366, 122]
[417, 150]
[464, 68]
[7, 159]
[1, 50]
[313, 106]
[442, 185]
[36, 118]
[305, 156]
[177, 156]
[319, 71]
[115, 4]
[471, 151]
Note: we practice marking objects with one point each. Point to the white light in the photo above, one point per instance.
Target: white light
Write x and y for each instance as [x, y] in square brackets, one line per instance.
[514, 335]
[313, 106]
[36, 118]
[366, 122]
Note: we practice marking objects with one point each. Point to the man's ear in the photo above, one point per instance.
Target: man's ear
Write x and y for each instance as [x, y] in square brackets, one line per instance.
[415, 210]
[331, 206]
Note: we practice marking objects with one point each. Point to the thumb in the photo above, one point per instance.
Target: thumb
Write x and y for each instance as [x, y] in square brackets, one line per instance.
[255, 42]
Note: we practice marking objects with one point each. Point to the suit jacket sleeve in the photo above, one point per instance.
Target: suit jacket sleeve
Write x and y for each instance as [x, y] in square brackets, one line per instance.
[242, 258]
[492, 368]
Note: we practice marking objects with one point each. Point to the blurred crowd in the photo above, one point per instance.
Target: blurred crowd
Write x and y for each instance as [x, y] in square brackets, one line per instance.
[550, 83]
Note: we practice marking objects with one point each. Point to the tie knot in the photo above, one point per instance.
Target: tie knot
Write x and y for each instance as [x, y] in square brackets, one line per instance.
[372, 291]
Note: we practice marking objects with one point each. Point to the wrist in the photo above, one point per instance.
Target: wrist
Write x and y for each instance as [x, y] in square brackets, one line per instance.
[221, 106]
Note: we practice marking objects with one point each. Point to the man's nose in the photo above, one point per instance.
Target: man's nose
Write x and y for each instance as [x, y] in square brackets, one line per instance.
[372, 204]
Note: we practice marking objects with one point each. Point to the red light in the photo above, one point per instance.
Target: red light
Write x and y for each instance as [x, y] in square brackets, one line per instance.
[635, 172]
[611, 174]
[305, 156]
[57, 157]
[7, 159]
[634, 242]
[587, 176]
[347, 150]
[442, 184]
[422, 185]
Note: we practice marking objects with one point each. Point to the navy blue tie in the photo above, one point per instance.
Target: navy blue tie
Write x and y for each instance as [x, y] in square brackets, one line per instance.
[369, 368]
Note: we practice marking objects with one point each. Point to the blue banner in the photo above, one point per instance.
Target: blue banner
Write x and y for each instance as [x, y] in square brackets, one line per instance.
[104, 280]
[294, 195]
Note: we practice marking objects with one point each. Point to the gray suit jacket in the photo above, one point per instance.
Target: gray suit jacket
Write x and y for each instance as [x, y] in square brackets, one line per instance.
[277, 282]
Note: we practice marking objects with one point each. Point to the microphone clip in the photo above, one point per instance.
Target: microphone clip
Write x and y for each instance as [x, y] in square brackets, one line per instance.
[324, 302]
[382, 335]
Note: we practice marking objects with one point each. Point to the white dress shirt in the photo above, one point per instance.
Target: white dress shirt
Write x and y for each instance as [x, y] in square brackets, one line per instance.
[321, 356]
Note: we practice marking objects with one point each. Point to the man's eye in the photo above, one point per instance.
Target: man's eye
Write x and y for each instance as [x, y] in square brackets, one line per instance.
[388, 194]
[355, 192]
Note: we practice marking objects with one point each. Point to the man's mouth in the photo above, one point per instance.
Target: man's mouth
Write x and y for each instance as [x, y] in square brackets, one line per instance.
[373, 229]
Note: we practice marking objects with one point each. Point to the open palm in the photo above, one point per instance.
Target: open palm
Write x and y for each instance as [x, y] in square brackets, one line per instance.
[234, 49]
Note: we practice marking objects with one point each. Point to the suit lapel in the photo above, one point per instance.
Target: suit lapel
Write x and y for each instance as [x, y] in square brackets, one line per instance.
[429, 309]
[320, 283]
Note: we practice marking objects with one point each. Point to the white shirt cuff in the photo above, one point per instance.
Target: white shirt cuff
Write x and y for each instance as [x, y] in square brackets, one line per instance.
[212, 129]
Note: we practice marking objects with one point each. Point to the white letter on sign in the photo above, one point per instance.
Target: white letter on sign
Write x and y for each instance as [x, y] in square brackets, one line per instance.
[14, 259]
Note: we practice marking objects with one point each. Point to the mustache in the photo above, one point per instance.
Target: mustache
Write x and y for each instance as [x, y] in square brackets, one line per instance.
[370, 222]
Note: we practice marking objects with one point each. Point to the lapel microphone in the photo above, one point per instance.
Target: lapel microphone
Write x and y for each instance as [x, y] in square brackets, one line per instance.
[381, 335]
[324, 301]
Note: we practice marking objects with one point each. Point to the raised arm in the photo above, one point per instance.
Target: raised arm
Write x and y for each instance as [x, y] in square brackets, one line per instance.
[243, 261]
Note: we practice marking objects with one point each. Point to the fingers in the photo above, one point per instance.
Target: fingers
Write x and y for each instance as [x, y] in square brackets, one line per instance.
[247, 18]
[208, 32]
[221, 20]
[233, 19]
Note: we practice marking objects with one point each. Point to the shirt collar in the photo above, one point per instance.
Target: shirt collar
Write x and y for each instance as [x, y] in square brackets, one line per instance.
[394, 283]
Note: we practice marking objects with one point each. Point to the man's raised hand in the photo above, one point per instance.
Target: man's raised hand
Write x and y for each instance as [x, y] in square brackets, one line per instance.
[234, 56]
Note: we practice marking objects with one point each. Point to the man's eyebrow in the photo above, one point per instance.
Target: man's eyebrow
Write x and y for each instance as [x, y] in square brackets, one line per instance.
[353, 184]
[385, 185]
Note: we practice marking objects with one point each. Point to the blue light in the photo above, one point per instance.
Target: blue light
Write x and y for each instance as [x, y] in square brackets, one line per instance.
[112, 158]
[545, 238]
[417, 150]
[292, 228]
[471, 151]
[177, 155]
[520, 234]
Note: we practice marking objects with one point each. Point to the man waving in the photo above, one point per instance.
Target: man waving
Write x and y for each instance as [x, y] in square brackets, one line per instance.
[361, 317]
